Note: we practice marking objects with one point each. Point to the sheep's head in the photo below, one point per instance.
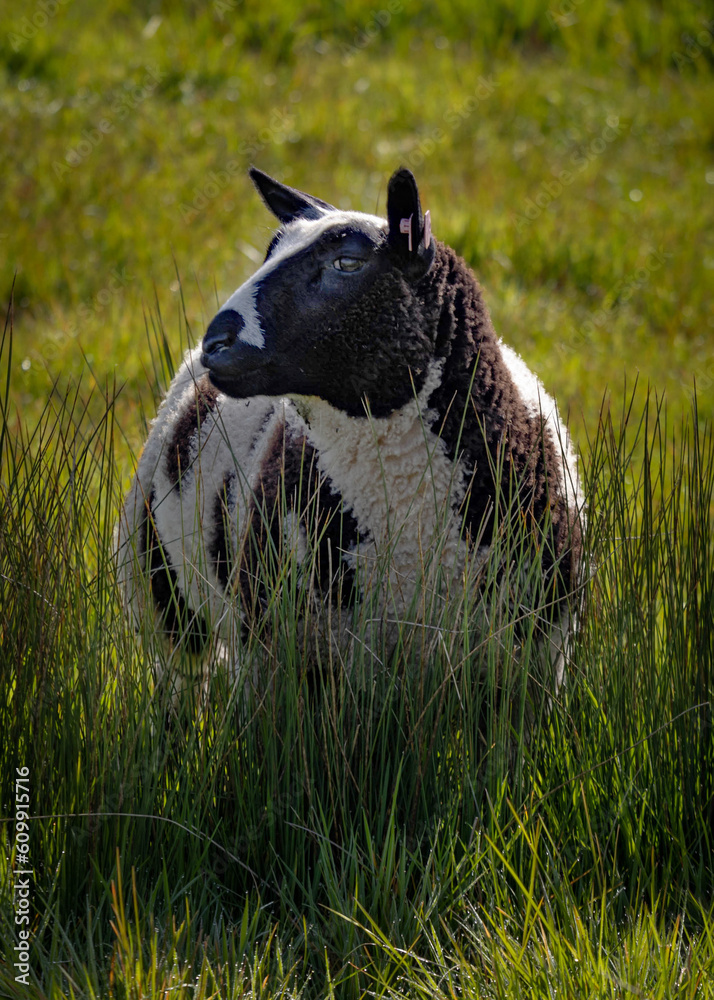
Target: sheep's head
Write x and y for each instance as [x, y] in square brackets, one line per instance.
[337, 309]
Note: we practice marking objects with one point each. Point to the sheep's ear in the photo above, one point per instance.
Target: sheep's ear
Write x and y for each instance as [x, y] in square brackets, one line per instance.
[409, 231]
[286, 202]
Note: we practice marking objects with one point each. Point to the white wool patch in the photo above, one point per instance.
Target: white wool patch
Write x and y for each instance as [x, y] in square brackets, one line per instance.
[396, 478]
[232, 440]
[134, 508]
[296, 237]
[538, 402]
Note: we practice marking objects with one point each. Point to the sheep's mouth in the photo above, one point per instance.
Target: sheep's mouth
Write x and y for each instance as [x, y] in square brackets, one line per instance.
[239, 379]
[233, 359]
[224, 361]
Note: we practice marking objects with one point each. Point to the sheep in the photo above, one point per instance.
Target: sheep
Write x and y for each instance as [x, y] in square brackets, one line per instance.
[355, 378]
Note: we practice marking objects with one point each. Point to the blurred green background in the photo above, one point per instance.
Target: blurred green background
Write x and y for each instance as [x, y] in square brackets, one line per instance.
[126, 130]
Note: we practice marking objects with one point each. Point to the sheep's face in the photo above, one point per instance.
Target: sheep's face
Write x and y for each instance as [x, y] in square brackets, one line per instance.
[335, 310]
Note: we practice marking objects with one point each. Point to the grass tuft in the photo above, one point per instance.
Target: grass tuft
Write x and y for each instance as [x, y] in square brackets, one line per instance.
[420, 826]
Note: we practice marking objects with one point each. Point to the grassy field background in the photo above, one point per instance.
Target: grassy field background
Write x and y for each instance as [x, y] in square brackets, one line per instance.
[567, 152]
[487, 107]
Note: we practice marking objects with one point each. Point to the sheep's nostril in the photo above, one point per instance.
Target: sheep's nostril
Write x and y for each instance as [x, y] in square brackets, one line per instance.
[222, 331]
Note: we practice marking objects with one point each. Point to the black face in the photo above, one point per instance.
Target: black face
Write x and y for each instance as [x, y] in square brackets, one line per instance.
[333, 312]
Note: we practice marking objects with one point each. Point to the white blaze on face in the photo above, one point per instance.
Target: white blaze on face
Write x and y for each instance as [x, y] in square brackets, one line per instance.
[297, 236]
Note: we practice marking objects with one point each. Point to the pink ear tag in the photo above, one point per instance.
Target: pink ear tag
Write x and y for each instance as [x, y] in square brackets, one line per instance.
[427, 228]
[405, 226]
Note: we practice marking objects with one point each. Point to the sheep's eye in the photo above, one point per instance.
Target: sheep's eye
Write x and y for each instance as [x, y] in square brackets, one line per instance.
[348, 264]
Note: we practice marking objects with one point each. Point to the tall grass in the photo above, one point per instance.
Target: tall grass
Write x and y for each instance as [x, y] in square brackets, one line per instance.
[394, 830]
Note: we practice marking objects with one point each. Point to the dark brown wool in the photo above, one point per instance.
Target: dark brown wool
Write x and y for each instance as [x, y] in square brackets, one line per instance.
[483, 417]
[178, 620]
[178, 457]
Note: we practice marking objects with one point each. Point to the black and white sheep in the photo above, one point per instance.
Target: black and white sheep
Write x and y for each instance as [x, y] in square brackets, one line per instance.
[356, 375]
